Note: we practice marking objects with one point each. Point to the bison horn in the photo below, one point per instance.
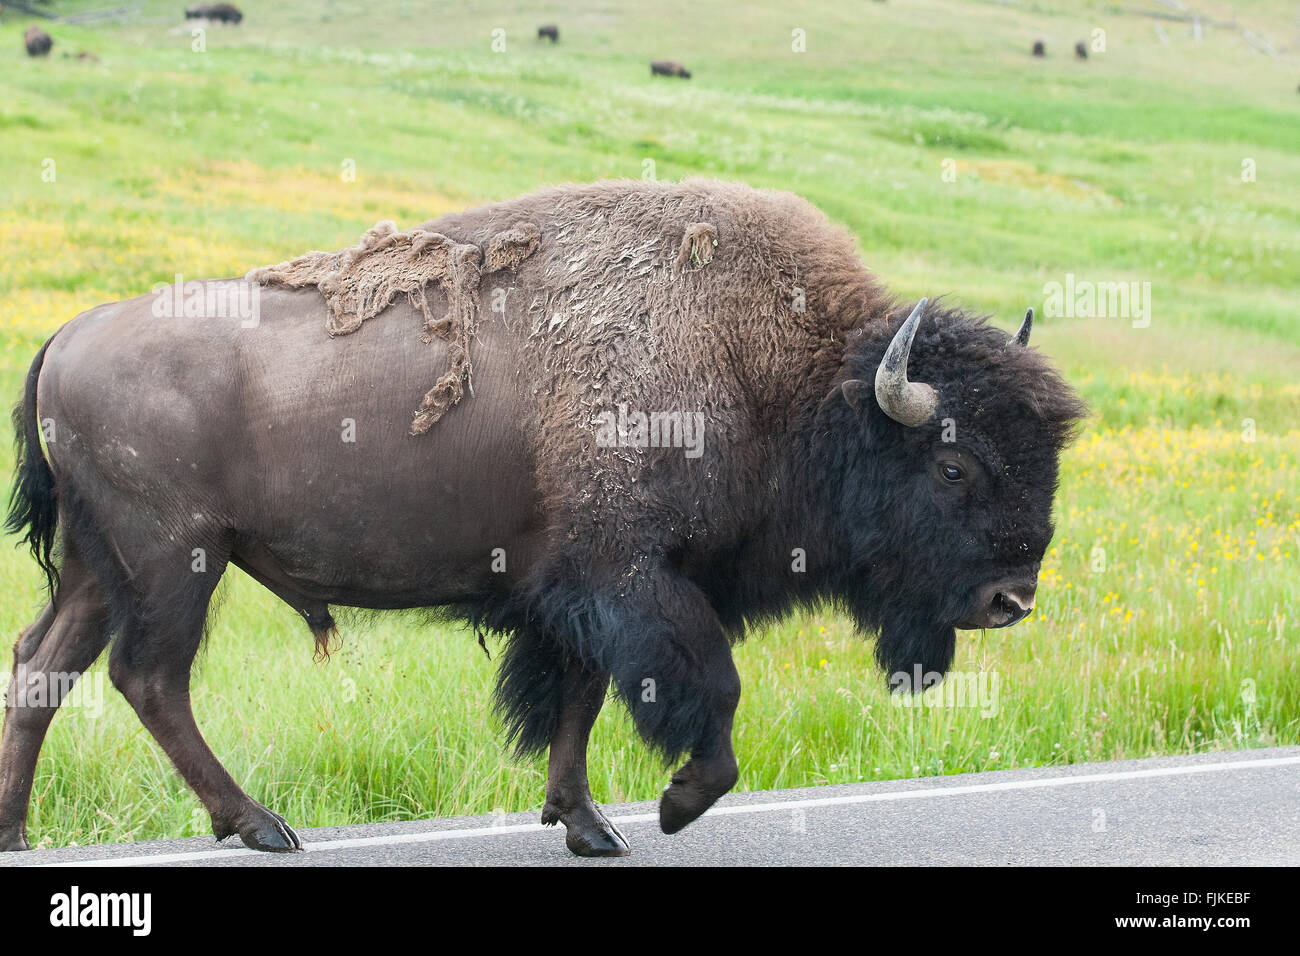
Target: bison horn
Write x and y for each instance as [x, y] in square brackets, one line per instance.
[908, 403]
[1023, 335]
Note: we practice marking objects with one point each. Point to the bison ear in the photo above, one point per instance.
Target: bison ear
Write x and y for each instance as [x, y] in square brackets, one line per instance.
[856, 393]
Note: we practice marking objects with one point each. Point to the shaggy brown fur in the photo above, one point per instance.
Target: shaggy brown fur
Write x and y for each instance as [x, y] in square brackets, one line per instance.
[697, 246]
[614, 314]
[513, 246]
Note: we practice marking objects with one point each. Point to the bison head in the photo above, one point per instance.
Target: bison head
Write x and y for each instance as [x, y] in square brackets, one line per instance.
[948, 433]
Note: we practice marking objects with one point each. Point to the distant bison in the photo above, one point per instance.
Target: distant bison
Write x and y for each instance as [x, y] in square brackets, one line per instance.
[1040, 48]
[669, 68]
[221, 12]
[549, 32]
[38, 41]
[1080, 50]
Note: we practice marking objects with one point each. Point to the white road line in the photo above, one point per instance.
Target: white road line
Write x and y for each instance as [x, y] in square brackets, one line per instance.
[922, 794]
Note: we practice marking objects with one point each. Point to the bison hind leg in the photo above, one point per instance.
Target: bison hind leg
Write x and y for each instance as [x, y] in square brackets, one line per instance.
[150, 664]
[49, 657]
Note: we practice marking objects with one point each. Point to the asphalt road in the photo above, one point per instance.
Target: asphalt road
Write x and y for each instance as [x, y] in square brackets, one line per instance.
[1219, 809]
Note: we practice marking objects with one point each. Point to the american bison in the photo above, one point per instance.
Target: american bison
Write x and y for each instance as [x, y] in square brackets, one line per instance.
[669, 412]
[217, 12]
[549, 32]
[37, 41]
[1040, 49]
[669, 68]
[1081, 50]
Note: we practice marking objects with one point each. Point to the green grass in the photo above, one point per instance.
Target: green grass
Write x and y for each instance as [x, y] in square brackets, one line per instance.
[1166, 621]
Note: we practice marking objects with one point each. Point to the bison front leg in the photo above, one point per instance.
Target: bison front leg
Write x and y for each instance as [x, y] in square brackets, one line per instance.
[568, 795]
[675, 671]
[712, 770]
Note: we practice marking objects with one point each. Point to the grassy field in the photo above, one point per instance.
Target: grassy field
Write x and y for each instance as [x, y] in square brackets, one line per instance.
[1167, 613]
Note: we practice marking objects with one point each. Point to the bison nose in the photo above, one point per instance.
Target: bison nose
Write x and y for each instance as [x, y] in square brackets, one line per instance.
[1016, 601]
[1002, 604]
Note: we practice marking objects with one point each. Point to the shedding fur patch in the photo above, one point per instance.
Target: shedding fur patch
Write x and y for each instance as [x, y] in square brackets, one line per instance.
[360, 282]
[507, 249]
[697, 245]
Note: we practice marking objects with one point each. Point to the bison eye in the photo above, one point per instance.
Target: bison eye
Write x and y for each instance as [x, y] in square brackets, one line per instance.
[952, 473]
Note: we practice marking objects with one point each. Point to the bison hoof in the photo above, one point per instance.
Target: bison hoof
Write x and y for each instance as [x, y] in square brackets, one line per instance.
[588, 832]
[13, 840]
[597, 840]
[260, 829]
[693, 790]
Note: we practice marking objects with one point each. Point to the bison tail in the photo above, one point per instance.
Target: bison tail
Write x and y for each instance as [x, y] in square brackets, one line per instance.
[33, 504]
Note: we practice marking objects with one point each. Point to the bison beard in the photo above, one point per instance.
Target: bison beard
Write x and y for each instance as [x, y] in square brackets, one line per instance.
[630, 567]
[909, 636]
